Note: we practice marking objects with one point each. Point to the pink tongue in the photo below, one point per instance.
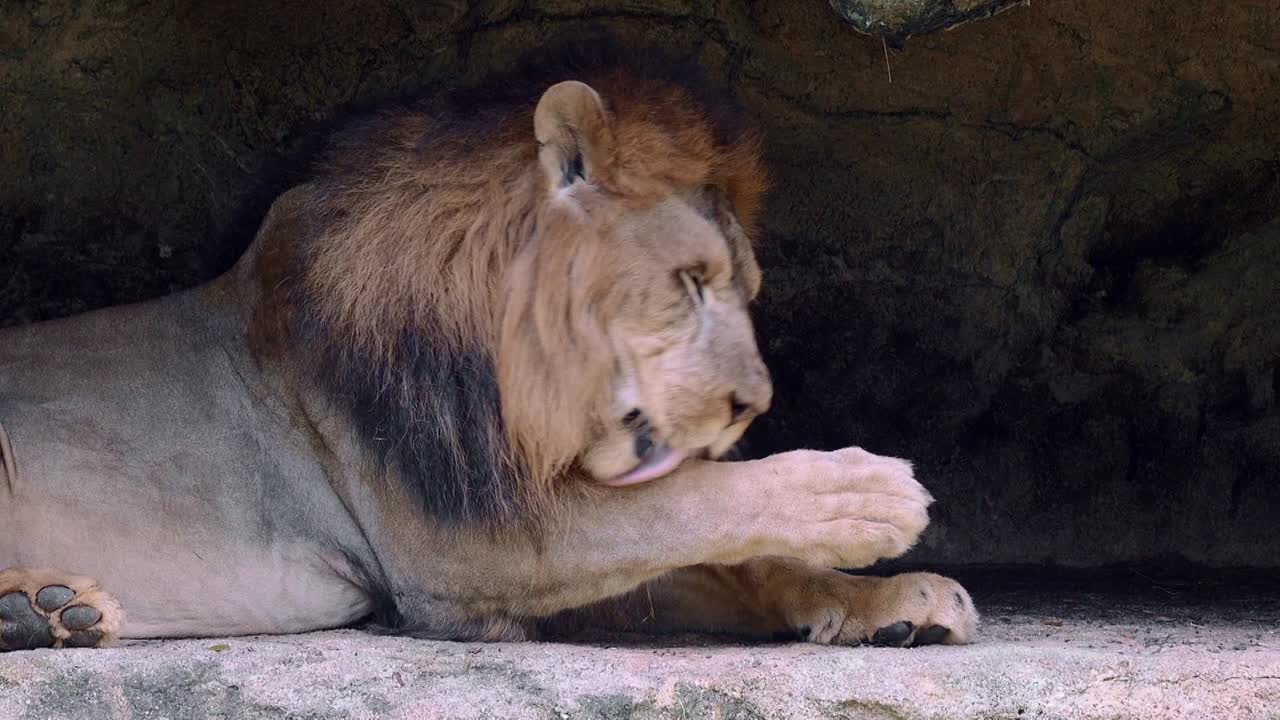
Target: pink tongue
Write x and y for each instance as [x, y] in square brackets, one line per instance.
[661, 462]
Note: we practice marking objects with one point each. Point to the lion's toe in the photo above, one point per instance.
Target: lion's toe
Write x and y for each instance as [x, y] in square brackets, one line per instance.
[53, 597]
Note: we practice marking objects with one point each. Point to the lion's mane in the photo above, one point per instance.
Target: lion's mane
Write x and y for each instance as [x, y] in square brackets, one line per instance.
[453, 311]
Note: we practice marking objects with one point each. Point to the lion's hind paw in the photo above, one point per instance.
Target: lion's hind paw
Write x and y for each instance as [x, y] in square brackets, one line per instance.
[41, 609]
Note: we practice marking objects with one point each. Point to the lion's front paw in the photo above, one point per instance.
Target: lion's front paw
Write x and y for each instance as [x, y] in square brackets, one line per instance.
[40, 609]
[900, 611]
[847, 508]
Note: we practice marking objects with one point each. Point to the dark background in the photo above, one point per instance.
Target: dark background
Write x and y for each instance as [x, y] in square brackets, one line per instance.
[1043, 261]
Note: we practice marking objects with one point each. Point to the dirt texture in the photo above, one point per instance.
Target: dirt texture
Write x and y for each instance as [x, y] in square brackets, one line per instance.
[1036, 253]
[1133, 650]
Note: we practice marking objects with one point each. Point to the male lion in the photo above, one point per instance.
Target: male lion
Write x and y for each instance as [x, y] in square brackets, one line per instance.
[469, 382]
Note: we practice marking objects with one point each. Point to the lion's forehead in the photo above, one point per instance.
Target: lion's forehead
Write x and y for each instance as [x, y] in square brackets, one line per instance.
[673, 226]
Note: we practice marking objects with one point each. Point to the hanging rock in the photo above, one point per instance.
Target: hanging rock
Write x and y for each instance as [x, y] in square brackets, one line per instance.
[899, 19]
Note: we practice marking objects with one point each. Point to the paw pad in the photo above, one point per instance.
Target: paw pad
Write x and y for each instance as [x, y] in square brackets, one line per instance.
[21, 627]
[932, 635]
[899, 634]
[48, 621]
[53, 597]
[894, 635]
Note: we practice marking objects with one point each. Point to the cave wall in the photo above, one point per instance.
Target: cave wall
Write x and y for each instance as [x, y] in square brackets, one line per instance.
[1038, 258]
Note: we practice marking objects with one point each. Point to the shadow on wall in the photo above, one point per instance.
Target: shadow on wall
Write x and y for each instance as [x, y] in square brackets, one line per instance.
[1041, 261]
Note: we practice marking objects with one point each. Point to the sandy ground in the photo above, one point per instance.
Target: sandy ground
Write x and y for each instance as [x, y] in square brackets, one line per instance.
[1046, 652]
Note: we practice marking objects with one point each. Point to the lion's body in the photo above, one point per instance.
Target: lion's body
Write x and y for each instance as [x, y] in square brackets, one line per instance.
[463, 382]
[145, 437]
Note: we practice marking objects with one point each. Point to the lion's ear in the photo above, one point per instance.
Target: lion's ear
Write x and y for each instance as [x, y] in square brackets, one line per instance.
[572, 128]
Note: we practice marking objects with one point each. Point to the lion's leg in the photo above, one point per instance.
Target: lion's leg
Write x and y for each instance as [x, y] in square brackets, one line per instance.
[847, 508]
[42, 608]
[771, 597]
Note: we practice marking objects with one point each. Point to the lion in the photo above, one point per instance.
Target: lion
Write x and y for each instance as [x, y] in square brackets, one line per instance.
[473, 379]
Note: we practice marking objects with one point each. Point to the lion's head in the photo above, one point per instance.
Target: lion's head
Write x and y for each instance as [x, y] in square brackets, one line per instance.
[548, 288]
[637, 239]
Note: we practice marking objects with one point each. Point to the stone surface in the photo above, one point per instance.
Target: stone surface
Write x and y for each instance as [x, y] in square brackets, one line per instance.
[1163, 652]
[1037, 261]
[899, 19]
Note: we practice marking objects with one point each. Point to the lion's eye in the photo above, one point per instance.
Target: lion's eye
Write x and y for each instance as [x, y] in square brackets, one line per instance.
[693, 283]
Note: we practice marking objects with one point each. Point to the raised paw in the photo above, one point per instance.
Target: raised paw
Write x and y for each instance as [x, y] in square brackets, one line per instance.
[44, 609]
[847, 508]
[906, 610]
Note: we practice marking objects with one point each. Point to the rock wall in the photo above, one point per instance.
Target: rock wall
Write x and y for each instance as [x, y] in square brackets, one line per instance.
[1034, 253]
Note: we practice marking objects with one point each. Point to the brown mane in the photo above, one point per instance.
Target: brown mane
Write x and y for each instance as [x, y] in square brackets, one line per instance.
[457, 311]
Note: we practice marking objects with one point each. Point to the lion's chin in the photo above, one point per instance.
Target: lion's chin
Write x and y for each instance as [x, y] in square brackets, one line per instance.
[660, 461]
